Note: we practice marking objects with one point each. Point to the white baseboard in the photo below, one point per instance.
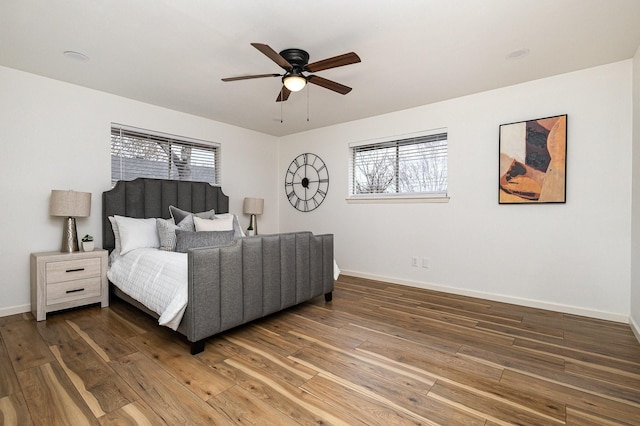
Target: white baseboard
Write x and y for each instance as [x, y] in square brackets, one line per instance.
[555, 307]
[12, 310]
[635, 327]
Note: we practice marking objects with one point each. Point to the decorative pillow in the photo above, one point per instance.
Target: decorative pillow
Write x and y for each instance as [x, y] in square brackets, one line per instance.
[225, 224]
[167, 231]
[236, 225]
[188, 239]
[137, 233]
[178, 215]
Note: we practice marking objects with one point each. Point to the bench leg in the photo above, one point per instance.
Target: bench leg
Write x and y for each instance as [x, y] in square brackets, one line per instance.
[328, 297]
[197, 347]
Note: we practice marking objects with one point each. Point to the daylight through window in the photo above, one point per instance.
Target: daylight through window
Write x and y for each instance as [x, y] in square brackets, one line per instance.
[140, 153]
[409, 166]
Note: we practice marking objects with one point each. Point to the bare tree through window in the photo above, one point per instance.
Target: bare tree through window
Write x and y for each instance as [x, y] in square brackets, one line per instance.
[424, 168]
[374, 171]
[138, 154]
[416, 165]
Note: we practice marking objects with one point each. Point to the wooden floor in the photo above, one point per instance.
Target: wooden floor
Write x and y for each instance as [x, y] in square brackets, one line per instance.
[379, 354]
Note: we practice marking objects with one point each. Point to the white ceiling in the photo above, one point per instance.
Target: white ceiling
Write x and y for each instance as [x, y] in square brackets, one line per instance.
[173, 53]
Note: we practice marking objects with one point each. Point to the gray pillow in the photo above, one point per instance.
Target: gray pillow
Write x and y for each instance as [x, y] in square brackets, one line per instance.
[167, 231]
[178, 215]
[188, 239]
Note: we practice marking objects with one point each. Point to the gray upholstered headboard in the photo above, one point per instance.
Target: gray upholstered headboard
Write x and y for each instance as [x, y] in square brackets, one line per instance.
[144, 198]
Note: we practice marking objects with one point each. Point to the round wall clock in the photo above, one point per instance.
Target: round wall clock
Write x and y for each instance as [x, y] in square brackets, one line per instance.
[307, 182]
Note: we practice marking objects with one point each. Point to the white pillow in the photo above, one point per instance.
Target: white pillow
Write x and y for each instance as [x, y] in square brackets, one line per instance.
[222, 224]
[137, 233]
[116, 236]
[236, 225]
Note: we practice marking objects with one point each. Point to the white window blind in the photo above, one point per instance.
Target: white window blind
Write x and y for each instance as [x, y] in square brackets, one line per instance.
[410, 166]
[141, 153]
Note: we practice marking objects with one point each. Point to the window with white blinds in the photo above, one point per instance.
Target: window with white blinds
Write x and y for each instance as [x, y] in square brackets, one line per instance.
[142, 153]
[415, 165]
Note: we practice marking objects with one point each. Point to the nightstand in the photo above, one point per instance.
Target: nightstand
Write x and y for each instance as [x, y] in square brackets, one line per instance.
[66, 280]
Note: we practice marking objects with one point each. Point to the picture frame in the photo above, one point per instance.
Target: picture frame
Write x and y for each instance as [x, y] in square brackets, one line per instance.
[533, 161]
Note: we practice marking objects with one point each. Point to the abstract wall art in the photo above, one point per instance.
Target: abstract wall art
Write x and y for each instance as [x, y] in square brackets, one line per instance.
[533, 161]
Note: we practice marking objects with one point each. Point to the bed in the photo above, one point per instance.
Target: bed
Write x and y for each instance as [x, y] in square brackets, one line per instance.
[227, 285]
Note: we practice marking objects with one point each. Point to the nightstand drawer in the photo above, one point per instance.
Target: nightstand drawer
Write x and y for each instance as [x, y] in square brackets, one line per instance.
[73, 290]
[72, 270]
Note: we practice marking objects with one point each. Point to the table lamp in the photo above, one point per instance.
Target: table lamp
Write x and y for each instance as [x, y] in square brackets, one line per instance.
[253, 207]
[70, 204]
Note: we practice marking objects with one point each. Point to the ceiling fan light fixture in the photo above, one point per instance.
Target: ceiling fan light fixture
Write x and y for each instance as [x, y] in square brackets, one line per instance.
[294, 82]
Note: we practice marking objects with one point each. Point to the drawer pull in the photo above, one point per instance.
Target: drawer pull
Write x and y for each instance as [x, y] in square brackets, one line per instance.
[75, 291]
[75, 270]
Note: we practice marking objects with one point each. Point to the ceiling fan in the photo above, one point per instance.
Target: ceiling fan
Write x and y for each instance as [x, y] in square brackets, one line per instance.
[295, 63]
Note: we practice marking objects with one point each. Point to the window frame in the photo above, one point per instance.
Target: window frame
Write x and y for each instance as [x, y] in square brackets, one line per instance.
[166, 138]
[397, 141]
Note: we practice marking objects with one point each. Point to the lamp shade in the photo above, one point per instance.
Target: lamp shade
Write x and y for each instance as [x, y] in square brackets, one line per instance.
[70, 203]
[253, 206]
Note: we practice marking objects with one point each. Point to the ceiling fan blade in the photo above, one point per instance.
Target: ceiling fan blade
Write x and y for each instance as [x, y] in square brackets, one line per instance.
[283, 95]
[273, 55]
[247, 77]
[336, 61]
[328, 84]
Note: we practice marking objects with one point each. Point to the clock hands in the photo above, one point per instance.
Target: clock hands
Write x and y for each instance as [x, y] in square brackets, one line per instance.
[305, 183]
[317, 181]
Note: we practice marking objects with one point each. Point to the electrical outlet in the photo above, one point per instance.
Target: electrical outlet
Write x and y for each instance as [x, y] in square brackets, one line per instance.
[414, 261]
[425, 262]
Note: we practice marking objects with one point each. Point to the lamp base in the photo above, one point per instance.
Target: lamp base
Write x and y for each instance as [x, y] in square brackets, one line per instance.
[253, 223]
[69, 236]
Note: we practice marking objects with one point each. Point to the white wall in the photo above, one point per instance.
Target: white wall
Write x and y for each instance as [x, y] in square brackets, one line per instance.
[635, 210]
[56, 136]
[572, 257]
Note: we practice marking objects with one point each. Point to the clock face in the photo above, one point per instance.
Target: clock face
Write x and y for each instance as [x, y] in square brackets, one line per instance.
[307, 182]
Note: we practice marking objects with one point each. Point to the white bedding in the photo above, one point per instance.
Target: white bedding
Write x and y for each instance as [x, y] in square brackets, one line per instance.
[158, 279]
[155, 278]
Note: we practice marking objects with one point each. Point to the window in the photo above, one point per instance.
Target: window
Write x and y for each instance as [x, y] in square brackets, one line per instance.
[141, 153]
[413, 166]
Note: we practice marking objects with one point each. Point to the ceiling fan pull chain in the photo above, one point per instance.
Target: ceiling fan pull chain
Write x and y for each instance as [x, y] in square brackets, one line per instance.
[281, 96]
[307, 103]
